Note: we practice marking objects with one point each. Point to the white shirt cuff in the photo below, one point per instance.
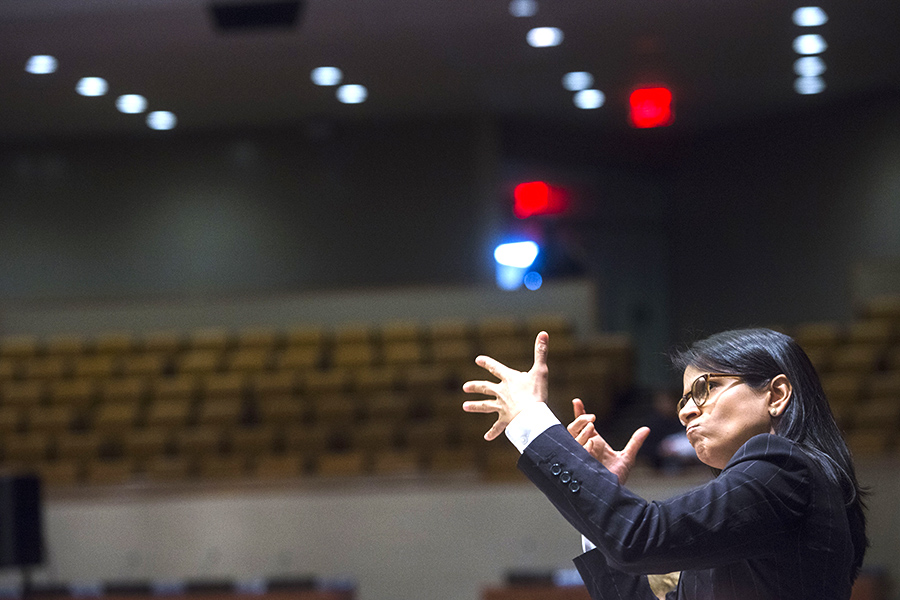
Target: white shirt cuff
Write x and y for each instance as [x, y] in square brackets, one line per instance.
[534, 420]
[586, 544]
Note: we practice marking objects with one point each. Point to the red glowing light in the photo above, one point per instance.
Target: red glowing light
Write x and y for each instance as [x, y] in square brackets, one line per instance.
[651, 107]
[538, 198]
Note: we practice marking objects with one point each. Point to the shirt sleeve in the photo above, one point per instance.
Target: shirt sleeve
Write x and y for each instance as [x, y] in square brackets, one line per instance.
[534, 420]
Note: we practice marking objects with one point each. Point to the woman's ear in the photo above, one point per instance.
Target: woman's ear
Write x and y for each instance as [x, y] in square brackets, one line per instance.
[780, 390]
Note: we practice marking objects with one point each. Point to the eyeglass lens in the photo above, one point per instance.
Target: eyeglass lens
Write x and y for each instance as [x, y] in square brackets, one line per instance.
[699, 392]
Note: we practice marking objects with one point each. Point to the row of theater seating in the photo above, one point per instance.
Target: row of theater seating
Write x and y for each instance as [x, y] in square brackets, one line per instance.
[285, 419]
[859, 363]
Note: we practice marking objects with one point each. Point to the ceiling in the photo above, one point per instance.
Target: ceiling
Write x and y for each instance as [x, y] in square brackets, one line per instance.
[725, 60]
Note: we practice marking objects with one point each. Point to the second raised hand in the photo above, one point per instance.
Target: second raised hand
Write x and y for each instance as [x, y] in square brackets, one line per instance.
[514, 391]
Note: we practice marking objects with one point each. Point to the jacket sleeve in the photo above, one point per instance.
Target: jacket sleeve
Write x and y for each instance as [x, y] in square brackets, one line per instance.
[746, 512]
[606, 583]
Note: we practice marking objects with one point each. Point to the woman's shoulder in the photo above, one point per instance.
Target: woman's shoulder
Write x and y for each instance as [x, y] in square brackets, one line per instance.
[774, 449]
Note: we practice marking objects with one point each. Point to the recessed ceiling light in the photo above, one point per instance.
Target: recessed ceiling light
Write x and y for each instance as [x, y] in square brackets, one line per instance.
[589, 99]
[544, 37]
[161, 120]
[811, 43]
[41, 64]
[809, 66]
[131, 104]
[326, 76]
[809, 85]
[523, 8]
[810, 16]
[352, 94]
[577, 80]
[91, 86]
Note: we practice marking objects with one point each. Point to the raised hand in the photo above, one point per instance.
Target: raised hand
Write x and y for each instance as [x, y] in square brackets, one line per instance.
[515, 389]
[617, 462]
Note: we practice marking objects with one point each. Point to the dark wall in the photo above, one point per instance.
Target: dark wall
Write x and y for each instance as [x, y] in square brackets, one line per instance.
[366, 204]
[773, 220]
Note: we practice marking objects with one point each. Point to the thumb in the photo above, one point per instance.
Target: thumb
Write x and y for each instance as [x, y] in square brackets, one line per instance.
[578, 407]
[637, 440]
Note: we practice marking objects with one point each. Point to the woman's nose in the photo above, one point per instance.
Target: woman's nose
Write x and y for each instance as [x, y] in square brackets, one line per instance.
[688, 412]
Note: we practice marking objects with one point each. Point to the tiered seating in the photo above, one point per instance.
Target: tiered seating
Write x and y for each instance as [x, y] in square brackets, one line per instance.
[861, 373]
[263, 404]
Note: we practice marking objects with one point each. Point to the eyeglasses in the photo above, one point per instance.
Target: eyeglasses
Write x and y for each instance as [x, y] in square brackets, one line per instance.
[700, 389]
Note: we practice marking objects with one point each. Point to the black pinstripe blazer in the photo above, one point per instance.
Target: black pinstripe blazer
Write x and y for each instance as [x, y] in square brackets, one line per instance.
[770, 526]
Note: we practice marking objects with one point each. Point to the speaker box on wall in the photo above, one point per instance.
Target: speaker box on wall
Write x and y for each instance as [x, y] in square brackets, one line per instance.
[21, 532]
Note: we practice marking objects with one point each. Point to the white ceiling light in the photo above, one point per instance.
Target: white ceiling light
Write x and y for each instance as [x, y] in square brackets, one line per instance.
[41, 64]
[577, 80]
[810, 43]
[131, 104]
[523, 8]
[544, 37]
[810, 16]
[809, 85]
[809, 66]
[91, 86]
[161, 120]
[589, 99]
[326, 76]
[352, 94]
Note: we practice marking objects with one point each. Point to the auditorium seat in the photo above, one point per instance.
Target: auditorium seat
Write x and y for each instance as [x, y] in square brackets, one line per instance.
[275, 383]
[283, 409]
[115, 343]
[109, 472]
[860, 357]
[199, 441]
[176, 387]
[25, 394]
[117, 416]
[221, 411]
[332, 381]
[354, 354]
[340, 464]
[125, 389]
[165, 342]
[19, 346]
[336, 408]
[9, 369]
[11, 419]
[169, 412]
[47, 367]
[279, 466]
[374, 379]
[374, 435]
[453, 460]
[165, 468]
[395, 462]
[215, 339]
[53, 419]
[401, 353]
[145, 363]
[306, 439]
[79, 445]
[60, 472]
[253, 441]
[29, 448]
[252, 359]
[388, 406]
[224, 385]
[300, 358]
[222, 467]
[98, 366]
[265, 338]
[147, 443]
[73, 392]
[199, 361]
[305, 336]
[67, 345]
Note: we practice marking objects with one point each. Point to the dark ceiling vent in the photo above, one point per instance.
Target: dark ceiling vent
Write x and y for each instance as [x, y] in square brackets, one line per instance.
[245, 16]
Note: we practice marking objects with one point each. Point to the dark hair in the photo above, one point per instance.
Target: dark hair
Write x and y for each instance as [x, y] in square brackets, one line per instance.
[759, 355]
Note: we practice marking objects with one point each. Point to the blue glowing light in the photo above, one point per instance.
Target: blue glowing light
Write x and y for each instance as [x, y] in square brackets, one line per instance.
[516, 254]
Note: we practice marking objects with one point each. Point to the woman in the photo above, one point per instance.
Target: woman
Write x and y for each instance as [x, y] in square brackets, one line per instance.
[782, 519]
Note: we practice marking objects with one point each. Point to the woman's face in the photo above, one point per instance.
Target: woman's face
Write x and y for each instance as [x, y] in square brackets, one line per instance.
[733, 413]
